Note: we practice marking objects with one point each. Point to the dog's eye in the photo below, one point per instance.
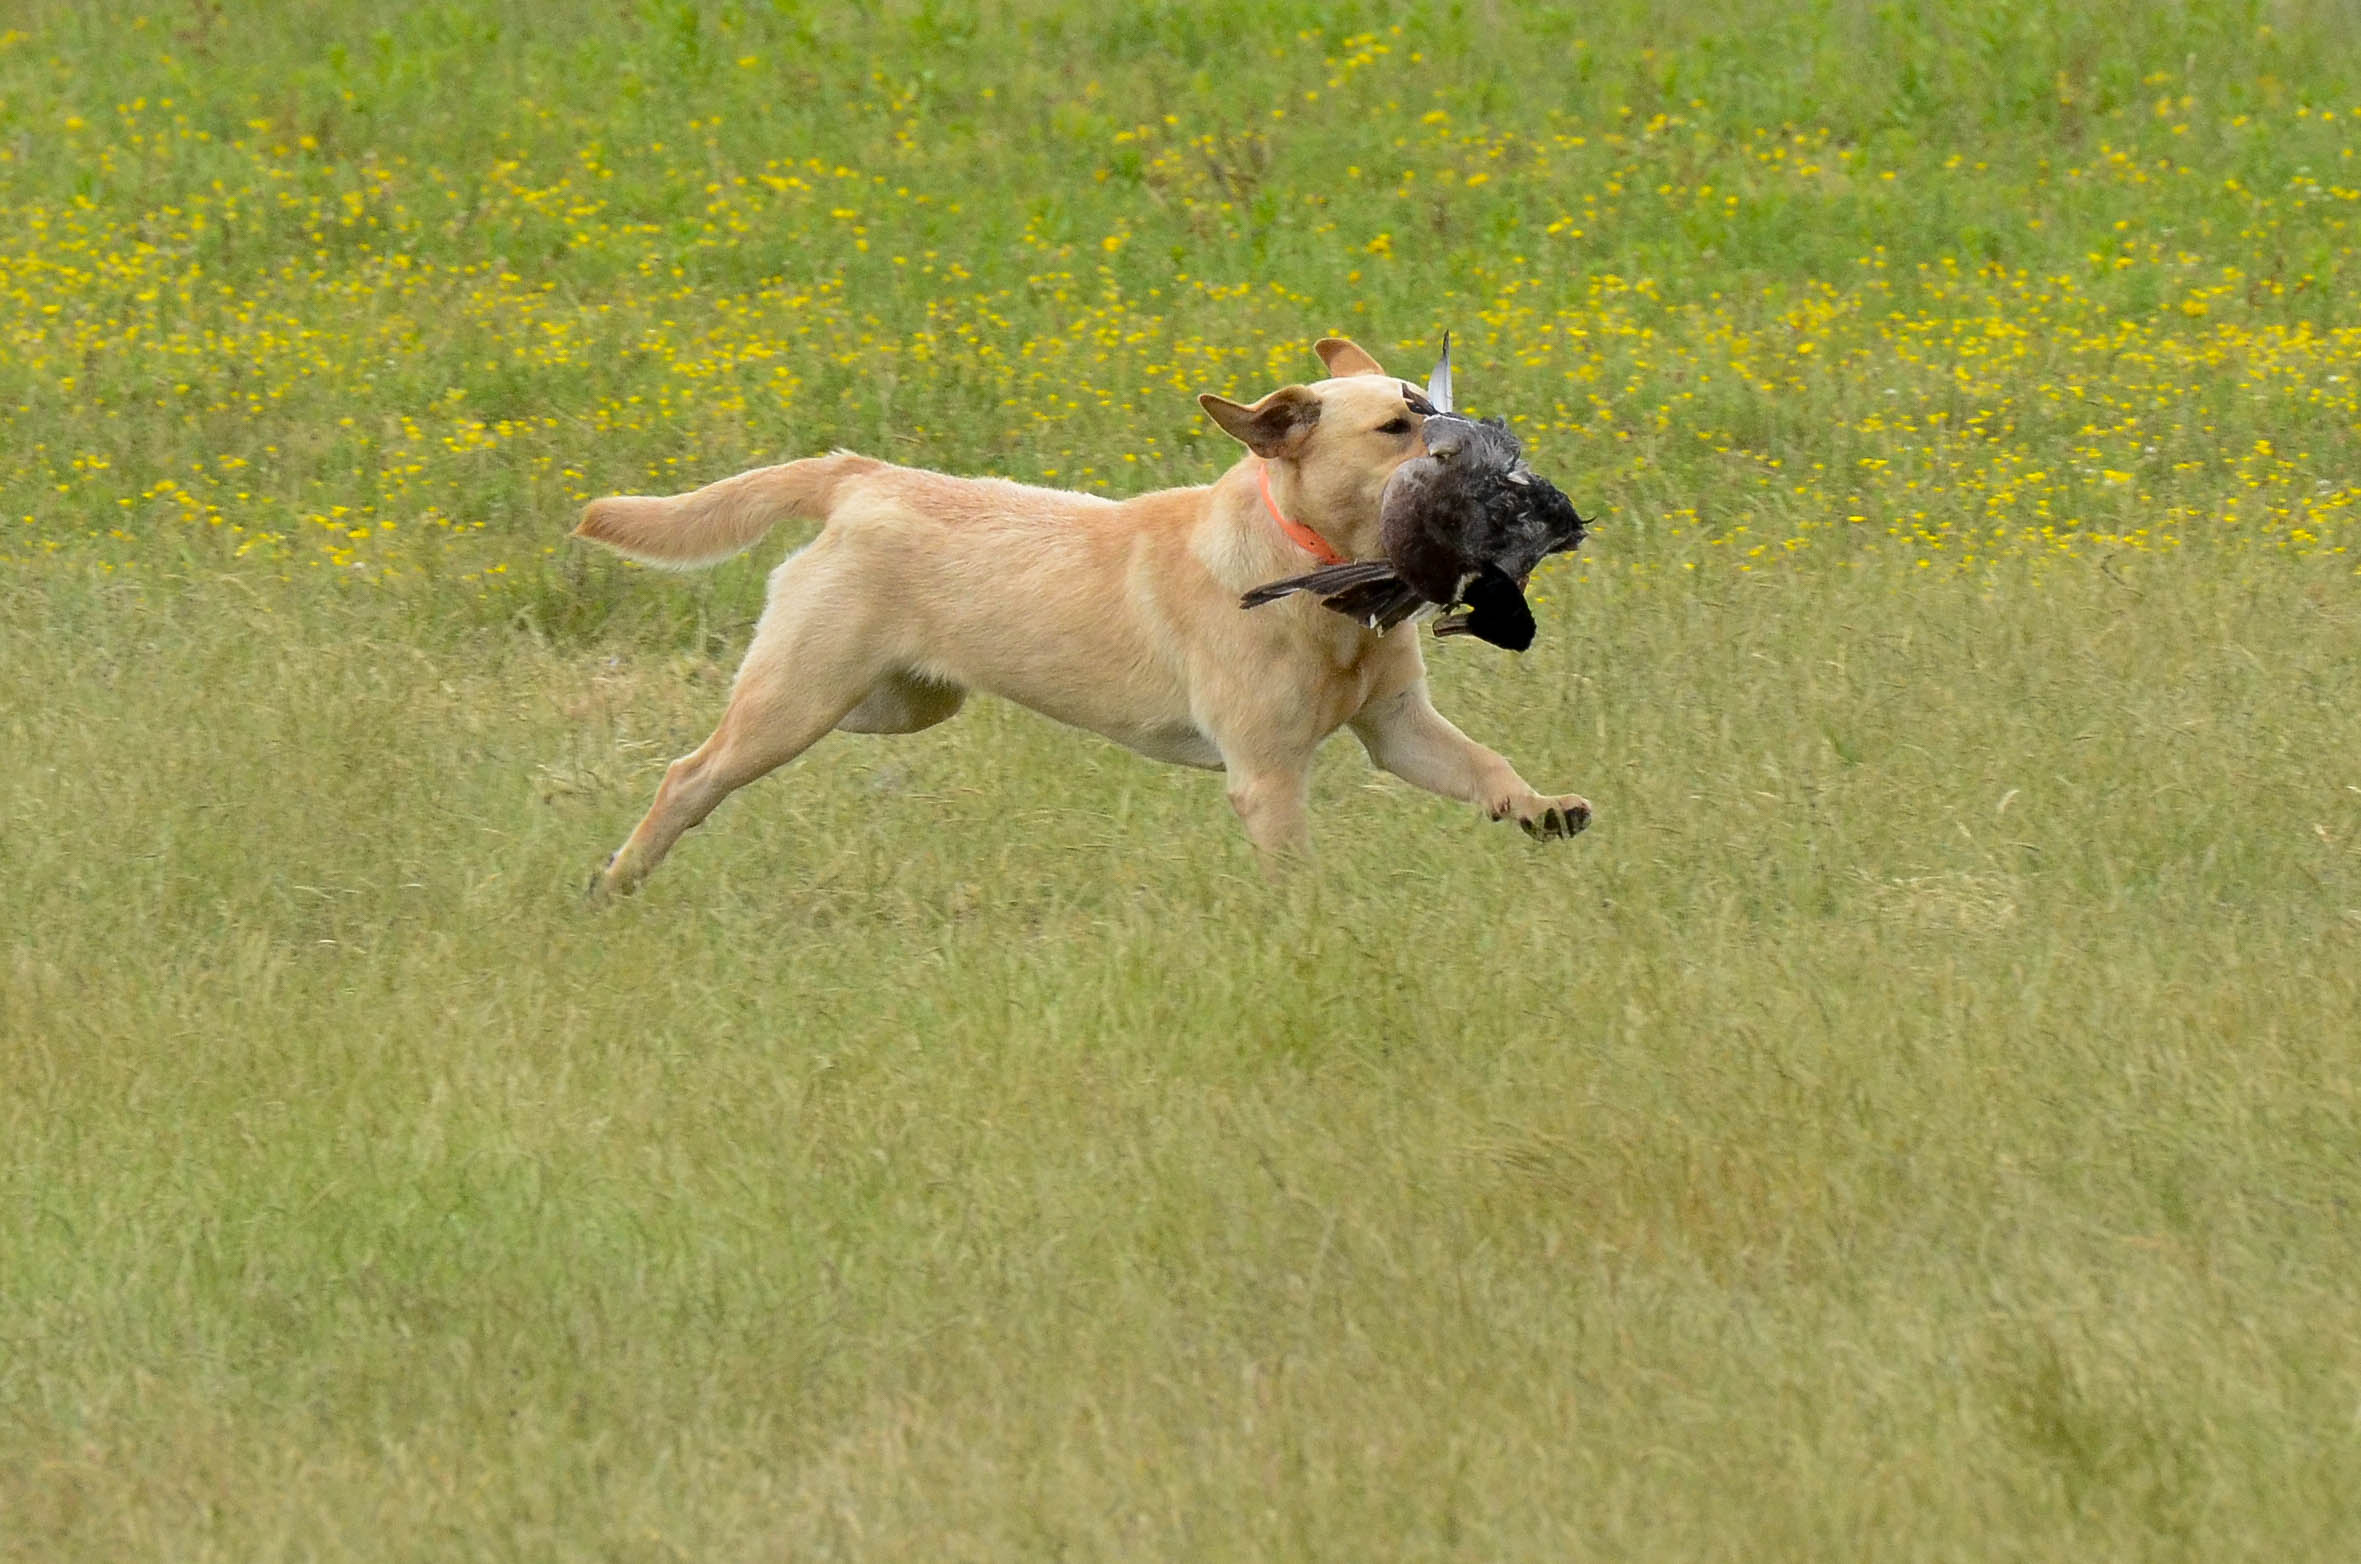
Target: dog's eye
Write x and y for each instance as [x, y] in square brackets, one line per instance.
[1399, 425]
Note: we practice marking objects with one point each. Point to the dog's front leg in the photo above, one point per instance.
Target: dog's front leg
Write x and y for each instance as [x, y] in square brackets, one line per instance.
[1406, 735]
[1274, 804]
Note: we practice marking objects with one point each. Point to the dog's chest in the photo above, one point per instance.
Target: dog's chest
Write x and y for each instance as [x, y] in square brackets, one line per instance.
[1176, 743]
[1358, 665]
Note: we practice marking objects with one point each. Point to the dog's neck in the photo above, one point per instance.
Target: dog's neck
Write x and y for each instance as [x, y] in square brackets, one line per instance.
[1294, 531]
[1275, 529]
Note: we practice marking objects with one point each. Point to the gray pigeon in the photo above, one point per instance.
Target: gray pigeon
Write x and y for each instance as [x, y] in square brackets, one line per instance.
[1463, 527]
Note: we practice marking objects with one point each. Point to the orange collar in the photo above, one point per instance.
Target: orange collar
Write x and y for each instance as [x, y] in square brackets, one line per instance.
[1296, 532]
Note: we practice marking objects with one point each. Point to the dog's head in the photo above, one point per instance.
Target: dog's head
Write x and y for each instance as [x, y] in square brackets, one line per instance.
[1338, 440]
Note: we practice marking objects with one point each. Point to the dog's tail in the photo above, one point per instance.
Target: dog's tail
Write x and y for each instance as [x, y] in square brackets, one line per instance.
[708, 525]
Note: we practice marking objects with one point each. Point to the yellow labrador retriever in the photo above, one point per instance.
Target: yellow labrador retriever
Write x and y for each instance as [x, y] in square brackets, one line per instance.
[1120, 616]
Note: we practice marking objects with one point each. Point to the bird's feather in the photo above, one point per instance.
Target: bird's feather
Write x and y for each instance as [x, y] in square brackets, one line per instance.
[1366, 590]
[1321, 582]
[1464, 524]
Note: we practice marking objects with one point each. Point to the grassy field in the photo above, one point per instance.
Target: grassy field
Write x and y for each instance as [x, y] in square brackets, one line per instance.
[1921, 1119]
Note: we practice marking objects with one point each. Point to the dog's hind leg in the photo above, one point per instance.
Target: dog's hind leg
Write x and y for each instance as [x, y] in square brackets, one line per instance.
[812, 666]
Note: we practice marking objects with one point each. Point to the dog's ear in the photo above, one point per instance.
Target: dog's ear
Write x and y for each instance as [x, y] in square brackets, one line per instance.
[1344, 356]
[1275, 426]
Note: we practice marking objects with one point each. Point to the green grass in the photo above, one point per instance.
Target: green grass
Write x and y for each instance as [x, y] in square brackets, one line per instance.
[1881, 1134]
[1920, 1119]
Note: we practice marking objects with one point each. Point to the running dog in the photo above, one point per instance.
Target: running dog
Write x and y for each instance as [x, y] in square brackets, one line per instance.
[1119, 616]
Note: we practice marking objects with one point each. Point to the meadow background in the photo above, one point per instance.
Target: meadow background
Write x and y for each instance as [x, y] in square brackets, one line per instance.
[1920, 1119]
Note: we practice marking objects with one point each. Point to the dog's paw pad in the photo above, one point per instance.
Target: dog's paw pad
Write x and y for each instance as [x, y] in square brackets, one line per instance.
[1558, 821]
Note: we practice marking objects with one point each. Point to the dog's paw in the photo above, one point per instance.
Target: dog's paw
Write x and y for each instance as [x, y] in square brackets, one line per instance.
[1551, 819]
[602, 886]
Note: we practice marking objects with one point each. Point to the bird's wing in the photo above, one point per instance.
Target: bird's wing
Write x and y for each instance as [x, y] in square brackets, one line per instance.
[1365, 590]
[1438, 384]
[1376, 605]
[1322, 582]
